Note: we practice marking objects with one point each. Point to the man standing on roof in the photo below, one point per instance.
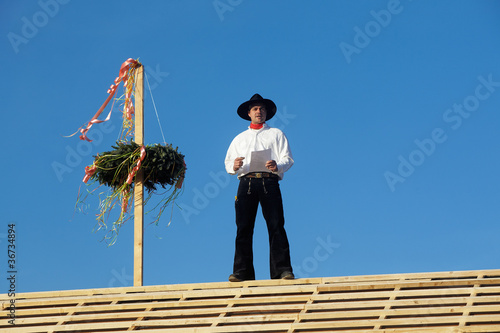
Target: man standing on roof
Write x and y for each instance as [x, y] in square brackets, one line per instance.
[259, 156]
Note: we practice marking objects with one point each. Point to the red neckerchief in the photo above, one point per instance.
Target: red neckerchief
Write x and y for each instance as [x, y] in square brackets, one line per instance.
[256, 126]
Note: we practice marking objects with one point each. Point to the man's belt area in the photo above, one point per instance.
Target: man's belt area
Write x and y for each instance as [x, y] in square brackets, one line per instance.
[260, 175]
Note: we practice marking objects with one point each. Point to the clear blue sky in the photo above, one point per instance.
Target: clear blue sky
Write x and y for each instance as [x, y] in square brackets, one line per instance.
[391, 109]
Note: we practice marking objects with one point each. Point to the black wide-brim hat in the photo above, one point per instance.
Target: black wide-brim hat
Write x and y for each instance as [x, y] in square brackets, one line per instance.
[257, 99]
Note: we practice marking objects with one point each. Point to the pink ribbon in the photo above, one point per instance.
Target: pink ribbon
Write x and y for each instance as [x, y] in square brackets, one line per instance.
[125, 198]
[134, 170]
[122, 76]
[89, 172]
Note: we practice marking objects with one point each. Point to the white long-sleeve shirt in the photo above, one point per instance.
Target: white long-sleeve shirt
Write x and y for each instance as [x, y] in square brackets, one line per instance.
[254, 140]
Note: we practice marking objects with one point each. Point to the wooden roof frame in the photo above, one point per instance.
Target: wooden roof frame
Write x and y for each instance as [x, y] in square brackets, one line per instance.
[451, 302]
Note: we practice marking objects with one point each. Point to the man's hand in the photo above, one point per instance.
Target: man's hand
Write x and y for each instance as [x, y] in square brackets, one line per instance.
[272, 166]
[238, 162]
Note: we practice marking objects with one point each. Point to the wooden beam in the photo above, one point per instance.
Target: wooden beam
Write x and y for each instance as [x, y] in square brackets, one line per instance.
[139, 186]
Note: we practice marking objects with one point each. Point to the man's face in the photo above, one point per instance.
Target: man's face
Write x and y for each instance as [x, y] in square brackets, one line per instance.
[257, 114]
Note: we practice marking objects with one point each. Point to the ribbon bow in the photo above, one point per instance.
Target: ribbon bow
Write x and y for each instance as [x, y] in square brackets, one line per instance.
[129, 108]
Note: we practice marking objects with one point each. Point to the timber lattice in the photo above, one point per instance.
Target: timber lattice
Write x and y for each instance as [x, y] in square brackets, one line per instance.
[452, 302]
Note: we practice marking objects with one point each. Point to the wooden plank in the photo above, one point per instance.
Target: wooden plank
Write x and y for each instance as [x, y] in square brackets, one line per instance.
[138, 183]
[304, 309]
[223, 312]
[404, 322]
[190, 294]
[390, 314]
[247, 284]
[408, 284]
[171, 313]
[216, 304]
[413, 276]
[161, 288]
[417, 303]
[387, 307]
[469, 304]
[158, 300]
[95, 299]
[283, 328]
[384, 295]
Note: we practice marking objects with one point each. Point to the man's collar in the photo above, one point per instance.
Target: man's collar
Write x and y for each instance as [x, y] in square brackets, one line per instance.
[257, 126]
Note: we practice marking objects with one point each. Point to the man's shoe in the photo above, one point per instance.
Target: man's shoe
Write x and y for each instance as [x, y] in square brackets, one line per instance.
[235, 278]
[287, 276]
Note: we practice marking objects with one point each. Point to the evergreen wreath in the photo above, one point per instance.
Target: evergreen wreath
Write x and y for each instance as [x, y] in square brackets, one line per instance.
[162, 165]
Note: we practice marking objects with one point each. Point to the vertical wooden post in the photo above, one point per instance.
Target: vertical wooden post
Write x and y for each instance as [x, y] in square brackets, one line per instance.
[139, 186]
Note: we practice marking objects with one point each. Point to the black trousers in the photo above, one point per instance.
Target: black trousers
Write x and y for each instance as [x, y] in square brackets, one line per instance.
[251, 192]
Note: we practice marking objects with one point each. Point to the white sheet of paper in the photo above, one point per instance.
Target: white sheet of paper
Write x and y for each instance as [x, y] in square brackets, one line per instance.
[258, 160]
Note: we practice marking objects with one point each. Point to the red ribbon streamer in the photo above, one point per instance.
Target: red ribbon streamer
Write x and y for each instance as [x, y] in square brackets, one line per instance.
[125, 195]
[89, 172]
[122, 76]
[134, 170]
